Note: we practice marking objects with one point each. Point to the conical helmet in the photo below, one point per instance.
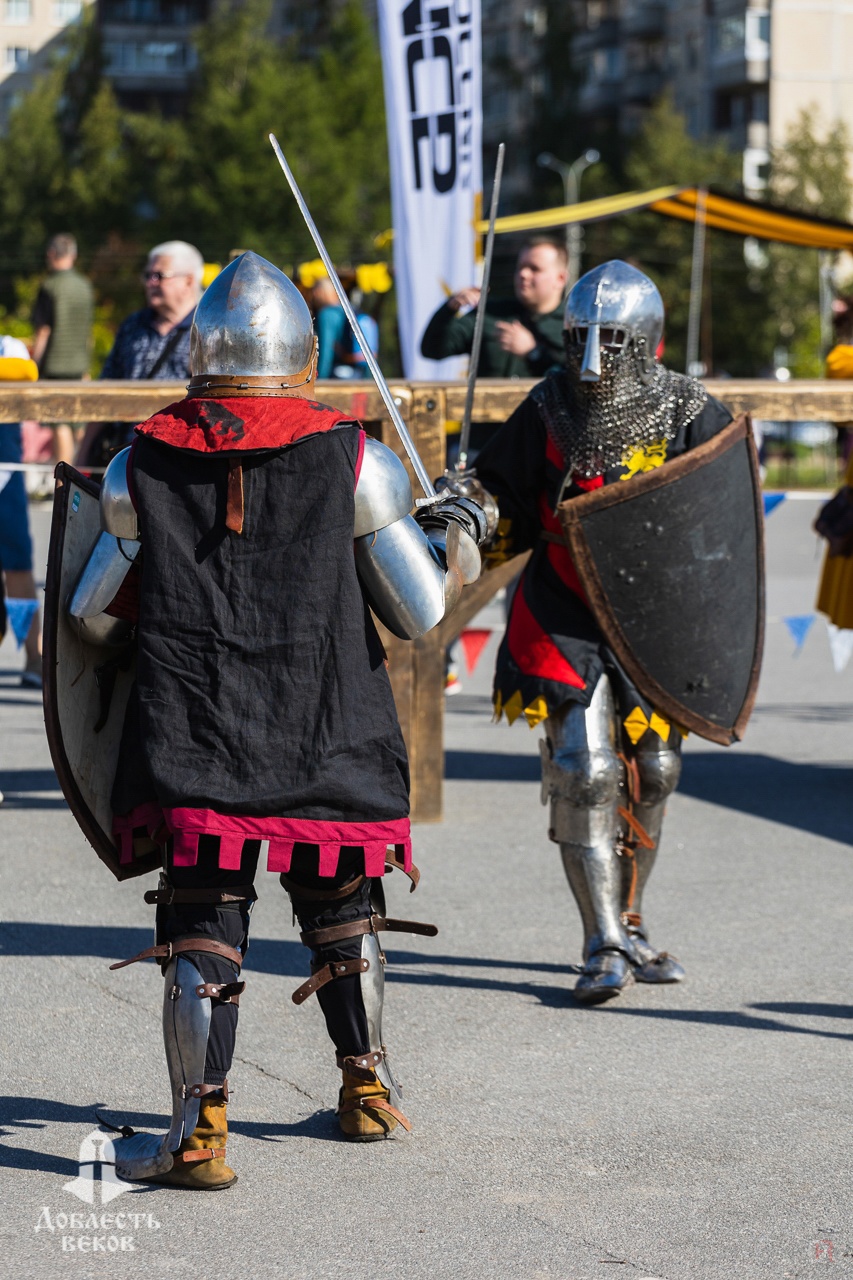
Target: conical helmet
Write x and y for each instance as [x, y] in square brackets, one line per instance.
[252, 334]
[618, 299]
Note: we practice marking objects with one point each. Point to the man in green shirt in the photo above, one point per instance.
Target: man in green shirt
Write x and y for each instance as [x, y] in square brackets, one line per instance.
[523, 336]
[62, 324]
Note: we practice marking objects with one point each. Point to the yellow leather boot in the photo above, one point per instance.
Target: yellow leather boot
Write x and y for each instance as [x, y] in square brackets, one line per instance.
[200, 1159]
[365, 1112]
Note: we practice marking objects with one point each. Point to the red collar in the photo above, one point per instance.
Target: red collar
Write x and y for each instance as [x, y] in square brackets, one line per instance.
[240, 424]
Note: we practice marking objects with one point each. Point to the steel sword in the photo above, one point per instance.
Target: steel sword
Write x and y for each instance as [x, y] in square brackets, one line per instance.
[381, 385]
[465, 436]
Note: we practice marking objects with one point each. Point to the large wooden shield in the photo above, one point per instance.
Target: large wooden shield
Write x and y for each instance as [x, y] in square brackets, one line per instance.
[84, 741]
[672, 563]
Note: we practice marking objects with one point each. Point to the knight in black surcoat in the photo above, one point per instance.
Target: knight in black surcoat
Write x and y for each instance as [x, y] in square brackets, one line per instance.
[262, 725]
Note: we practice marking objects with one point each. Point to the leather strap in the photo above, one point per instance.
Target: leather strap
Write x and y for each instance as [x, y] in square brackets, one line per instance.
[234, 507]
[547, 536]
[318, 895]
[361, 1065]
[167, 894]
[636, 827]
[204, 1153]
[224, 386]
[226, 992]
[328, 973]
[376, 924]
[202, 1090]
[165, 951]
[393, 864]
[375, 1104]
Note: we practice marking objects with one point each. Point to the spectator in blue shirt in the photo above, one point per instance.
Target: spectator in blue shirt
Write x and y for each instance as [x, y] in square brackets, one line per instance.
[151, 343]
[155, 342]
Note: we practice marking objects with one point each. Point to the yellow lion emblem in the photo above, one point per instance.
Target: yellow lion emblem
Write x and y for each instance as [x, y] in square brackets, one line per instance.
[641, 458]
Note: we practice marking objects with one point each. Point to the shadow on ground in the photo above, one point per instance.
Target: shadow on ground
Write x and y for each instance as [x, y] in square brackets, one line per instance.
[811, 797]
[490, 766]
[29, 788]
[265, 955]
[19, 1115]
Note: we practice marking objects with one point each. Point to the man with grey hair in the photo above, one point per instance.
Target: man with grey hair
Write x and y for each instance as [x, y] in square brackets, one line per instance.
[155, 342]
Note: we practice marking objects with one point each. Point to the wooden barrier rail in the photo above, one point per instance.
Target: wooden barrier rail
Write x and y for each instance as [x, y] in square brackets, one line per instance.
[417, 669]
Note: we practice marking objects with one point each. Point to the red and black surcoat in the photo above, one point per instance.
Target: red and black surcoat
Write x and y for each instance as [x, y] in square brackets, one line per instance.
[262, 708]
[553, 651]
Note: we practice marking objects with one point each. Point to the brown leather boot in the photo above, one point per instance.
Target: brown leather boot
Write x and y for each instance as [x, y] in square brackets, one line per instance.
[365, 1112]
[200, 1159]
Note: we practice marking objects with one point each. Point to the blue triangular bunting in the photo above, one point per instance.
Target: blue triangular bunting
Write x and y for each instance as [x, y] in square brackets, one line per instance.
[20, 614]
[799, 626]
[772, 501]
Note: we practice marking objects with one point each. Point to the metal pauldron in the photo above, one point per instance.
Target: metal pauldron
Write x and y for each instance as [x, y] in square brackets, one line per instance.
[383, 493]
[118, 514]
[109, 562]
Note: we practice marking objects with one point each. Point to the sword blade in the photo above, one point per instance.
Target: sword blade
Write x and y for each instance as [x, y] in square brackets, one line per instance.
[465, 436]
[381, 385]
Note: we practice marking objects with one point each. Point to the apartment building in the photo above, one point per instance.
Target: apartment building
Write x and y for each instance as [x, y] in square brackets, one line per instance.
[741, 70]
[148, 50]
[31, 32]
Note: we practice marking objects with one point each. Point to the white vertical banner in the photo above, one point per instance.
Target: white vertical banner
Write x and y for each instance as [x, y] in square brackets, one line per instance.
[431, 64]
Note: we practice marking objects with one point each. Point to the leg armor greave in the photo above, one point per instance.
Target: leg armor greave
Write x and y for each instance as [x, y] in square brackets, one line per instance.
[582, 776]
[658, 768]
[200, 946]
[653, 772]
[341, 926]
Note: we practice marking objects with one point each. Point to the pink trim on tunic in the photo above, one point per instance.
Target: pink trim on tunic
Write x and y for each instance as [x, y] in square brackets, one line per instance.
[187, 825]
[149, 816]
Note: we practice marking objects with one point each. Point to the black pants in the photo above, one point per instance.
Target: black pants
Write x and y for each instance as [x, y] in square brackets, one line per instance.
[228, 922]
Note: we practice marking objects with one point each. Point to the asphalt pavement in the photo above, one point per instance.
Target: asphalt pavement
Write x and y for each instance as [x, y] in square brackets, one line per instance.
[702, 1130]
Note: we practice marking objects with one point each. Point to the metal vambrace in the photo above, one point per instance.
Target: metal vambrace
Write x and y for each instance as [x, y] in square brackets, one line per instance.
[413, 576]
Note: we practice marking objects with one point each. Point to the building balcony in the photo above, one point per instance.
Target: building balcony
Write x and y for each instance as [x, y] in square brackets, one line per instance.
[643, 20]
[584, 41]
[737, 71]
[641, 86]
[159, 13]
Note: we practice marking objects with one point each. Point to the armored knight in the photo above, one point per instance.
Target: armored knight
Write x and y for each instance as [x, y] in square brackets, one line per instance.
[261, 716]
[610, 757]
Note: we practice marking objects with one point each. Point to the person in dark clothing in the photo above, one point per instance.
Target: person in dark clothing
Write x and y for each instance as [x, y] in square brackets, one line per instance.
[265, 524]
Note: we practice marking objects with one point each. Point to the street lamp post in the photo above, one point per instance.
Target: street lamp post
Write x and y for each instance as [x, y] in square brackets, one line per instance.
[571, 175]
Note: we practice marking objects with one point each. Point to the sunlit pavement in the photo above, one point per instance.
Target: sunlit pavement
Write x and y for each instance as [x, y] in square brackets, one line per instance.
[699, 1131]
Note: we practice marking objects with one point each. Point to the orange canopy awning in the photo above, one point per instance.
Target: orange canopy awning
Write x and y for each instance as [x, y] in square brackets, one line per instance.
[728, 213]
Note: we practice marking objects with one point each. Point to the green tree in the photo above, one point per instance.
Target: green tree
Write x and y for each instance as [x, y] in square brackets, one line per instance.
[214, 178]
[735, 328]
[73, 160]
[809, 173]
